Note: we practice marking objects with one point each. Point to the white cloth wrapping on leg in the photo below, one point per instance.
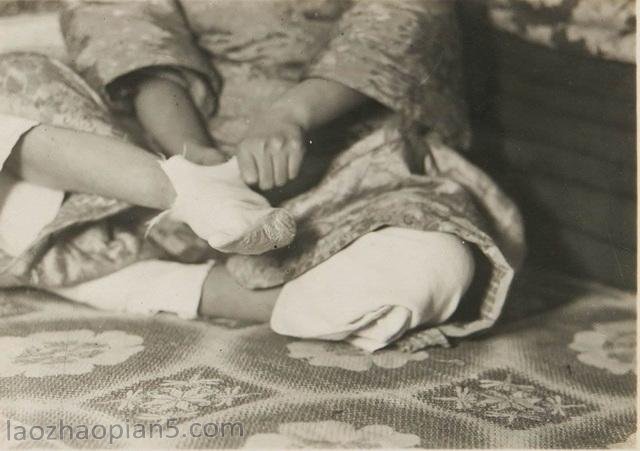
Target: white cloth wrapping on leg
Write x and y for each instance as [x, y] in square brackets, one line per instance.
[145, 287]
[383, 284]
[220, 208]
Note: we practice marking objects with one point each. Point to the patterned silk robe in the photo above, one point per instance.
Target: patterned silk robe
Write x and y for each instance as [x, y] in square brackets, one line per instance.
[393, 164]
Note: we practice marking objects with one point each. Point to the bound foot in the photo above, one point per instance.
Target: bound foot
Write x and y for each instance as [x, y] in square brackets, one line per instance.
[221, 209]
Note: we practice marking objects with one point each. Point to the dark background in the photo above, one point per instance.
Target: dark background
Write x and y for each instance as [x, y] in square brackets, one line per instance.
[558, 131]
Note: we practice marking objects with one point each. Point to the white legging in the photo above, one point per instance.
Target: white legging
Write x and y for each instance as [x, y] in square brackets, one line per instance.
[383, 284]
[369, 294]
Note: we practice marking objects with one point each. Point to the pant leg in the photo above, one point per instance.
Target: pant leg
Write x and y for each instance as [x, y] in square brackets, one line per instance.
[145, 287]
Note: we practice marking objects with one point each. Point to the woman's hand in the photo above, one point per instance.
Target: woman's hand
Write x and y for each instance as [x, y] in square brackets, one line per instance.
[204, 155]
[271, 152]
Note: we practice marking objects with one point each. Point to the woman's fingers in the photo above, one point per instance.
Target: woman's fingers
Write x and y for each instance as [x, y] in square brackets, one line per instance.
[295, 154]
[265, 168]
[279, 161]
[247, 163]
[270, 161]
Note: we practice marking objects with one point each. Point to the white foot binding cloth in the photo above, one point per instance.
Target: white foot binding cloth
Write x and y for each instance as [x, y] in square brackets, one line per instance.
[383, 284]
[221, 209]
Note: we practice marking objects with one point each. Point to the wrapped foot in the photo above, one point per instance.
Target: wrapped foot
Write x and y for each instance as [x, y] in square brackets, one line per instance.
[221, 209]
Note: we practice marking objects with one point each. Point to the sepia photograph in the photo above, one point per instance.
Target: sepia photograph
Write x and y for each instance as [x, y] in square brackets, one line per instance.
[318, 224]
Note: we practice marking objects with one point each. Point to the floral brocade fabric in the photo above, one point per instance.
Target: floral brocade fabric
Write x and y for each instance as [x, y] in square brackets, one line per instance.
[404, 54]
[598, 28]
[391, 165]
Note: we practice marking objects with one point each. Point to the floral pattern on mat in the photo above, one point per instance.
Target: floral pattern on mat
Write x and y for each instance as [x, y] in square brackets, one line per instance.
[507, 399]
[523, 386]
[180, 397]
[610, 346]
[65, 352]
[347, 357]
[332, 434]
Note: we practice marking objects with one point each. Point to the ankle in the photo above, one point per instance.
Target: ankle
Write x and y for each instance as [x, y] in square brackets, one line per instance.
[167, 194]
